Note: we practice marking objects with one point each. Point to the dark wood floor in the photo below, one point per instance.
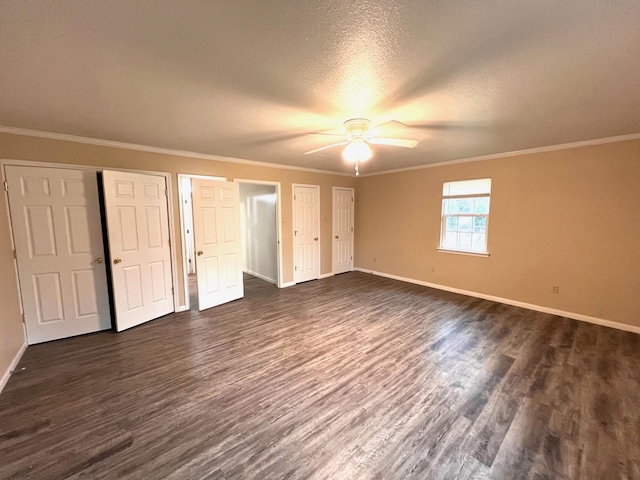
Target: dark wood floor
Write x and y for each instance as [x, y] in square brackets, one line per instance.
[350, 377]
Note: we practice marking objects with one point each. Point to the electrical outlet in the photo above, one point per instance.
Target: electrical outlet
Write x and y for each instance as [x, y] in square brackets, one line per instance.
[555, 289]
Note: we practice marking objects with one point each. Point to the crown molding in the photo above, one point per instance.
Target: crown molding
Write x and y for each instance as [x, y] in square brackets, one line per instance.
[515, 153]
[219, 158]
[163, 151]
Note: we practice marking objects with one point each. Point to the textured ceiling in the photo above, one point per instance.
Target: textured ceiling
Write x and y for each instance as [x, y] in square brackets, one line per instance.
[253, 79]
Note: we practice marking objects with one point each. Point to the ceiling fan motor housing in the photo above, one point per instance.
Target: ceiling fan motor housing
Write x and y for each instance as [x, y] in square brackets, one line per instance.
[357, 127]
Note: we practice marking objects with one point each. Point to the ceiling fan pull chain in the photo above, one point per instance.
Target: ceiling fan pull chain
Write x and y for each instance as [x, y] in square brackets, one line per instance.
[357, 171]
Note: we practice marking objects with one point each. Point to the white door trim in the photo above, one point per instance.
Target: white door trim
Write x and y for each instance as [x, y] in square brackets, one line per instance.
[333, 225]
[280, 283]
[185, 271]
[293, 223]
[99, 168]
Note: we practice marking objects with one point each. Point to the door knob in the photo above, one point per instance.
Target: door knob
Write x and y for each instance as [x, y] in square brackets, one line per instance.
[200, 252]
[336, 236]
[99, 260]
[117, 260]
[316, 239]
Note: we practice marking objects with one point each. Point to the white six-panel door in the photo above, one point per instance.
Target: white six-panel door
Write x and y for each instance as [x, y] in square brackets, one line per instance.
[138, 231]
[57, 230]
[216, 228]
[306, 232]
[342, 252]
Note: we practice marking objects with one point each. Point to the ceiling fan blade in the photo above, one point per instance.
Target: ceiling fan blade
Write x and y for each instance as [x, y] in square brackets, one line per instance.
[447, 126]
[395, 142]
[325, 148]
[395, 122]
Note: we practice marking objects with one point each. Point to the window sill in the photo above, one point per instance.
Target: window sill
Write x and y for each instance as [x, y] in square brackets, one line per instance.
[463, 252]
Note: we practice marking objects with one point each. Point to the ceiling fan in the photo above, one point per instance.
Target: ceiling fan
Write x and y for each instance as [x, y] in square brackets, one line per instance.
[359, 137]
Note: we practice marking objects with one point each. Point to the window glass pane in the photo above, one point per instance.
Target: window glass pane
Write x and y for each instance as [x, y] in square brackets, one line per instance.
[464, 241]
[467, 187]
[479, 242]
[482, 205]
[450, 240]
[452, 224]
[465, 205]
[465, 224]
[479, 224]
[452, 206]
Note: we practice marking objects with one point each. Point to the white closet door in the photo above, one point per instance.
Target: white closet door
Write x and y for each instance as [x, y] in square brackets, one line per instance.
[343, 202]
[216, 228]
[306, 234]
[138, 226]
[59, 248]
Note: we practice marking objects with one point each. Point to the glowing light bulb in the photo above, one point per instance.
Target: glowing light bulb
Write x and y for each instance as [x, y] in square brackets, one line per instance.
[357, 150]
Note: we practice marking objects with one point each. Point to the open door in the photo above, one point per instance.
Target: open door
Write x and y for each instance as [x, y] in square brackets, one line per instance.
[55, 215]
[138, 232]
[216, 228]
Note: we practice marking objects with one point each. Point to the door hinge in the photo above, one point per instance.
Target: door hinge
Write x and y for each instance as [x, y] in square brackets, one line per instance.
[6, 186]
[351, 257]
[352, 229]
[166, 192]
[295, 269]
[23, 319]
[294, 197]
[15, 254]
[351, 199]
[172, 291]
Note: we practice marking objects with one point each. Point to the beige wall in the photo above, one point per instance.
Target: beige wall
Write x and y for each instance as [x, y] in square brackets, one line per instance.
[569, 218]
[17, 147]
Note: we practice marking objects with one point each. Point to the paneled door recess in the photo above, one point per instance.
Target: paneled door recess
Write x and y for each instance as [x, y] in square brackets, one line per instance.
[342, 251]
[55, 216]
[138, 226]
[306, 233]
[216, 229]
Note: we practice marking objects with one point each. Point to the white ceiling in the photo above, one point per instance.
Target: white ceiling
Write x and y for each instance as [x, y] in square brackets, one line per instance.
[252, 79]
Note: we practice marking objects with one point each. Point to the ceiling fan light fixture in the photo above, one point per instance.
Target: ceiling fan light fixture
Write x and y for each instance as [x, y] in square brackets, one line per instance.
[357, 151]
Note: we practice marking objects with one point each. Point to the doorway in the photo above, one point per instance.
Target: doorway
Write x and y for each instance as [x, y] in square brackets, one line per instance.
[258, 216]
[260, 229]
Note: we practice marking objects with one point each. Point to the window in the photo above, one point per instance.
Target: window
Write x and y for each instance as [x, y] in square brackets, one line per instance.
[465, 216]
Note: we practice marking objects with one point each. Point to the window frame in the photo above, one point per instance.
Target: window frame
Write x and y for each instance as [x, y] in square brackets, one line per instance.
[444, 217]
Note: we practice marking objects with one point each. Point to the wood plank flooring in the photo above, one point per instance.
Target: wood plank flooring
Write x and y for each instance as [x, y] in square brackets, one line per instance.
[350, 377]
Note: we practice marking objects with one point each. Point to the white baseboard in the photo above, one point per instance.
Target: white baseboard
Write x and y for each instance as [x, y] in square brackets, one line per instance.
[287, 284]
[508, 301]
[260, 276]
[326, 275]
[12, 366]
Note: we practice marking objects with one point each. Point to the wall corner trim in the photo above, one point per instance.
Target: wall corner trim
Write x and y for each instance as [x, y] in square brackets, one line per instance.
[260, 276]
[530, 306]
[14, 363]
[160, 150]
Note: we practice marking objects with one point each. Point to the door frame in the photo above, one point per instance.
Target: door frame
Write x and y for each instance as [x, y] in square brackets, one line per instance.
[333, 224]
[293, 224]
[279, 282]
[185, 270]
[100, 168]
